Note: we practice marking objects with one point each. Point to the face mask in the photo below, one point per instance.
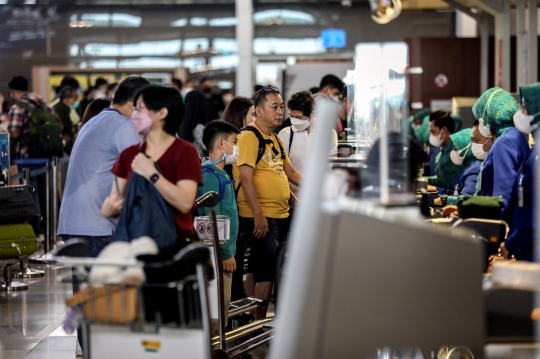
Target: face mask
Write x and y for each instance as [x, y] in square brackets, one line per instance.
[436, 141]
[142, 122]
[523, 122]
[75, 105]
[299, 124]
[207, 90]
[456, 158]
[478, 150]
[230, 159]
[415, 126]
[335, 98]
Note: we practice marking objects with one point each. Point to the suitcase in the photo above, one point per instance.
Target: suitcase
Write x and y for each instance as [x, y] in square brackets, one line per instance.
[17, 241]
[16, 204]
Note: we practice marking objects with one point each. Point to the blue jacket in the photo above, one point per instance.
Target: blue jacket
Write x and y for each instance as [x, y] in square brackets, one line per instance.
[520, 241]
[502, 165]
[465, 183]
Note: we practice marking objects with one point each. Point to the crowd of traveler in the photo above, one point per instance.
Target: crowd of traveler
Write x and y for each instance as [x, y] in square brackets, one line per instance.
[184, 142]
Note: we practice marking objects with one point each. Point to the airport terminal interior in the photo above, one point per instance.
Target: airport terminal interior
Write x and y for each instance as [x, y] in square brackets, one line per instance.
[282, 179]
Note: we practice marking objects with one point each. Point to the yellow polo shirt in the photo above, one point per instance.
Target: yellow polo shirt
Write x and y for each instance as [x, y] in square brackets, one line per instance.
[270, 180]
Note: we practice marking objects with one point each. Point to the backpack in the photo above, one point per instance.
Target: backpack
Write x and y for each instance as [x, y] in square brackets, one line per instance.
[45, 132]
[261, 147]
[222, 183]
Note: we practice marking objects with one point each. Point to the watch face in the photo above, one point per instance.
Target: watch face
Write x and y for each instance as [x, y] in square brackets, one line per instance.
[154, 178]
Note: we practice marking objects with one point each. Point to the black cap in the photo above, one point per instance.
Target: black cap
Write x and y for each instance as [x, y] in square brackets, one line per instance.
[18, 83]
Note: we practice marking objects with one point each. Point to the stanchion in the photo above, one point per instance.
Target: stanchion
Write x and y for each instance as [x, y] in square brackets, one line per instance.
[54, 216]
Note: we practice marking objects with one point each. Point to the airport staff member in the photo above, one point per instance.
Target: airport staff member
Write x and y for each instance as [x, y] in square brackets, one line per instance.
[262, 184]
[520, 241]
[495, 111]
[441, 126]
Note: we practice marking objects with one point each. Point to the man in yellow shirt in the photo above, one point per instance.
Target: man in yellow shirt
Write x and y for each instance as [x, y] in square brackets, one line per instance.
[263, 191]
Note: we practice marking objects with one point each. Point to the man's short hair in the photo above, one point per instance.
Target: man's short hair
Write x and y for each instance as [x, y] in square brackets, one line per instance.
[301, 101]
[67, 92]
[442, 119]
[476, 123]
[128, 88]
[18, 83]
[257, 88]
[203, 80]
[331, 81]
[177, 82]
[261, 96]
[69, 81]
[215, 130]
[100, 82]
[314, 90]
[112, 86]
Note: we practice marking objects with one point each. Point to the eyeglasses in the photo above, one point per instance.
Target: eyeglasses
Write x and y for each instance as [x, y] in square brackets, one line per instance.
[140, 106]
[264, 89]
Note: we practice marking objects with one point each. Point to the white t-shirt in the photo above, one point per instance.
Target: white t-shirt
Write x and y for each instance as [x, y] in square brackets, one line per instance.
[299, 148]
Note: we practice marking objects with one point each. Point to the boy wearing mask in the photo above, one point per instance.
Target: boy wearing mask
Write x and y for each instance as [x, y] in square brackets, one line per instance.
[220, 138]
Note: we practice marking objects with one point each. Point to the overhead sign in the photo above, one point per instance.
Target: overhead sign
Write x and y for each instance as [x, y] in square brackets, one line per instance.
[441, 80]
[334, 38]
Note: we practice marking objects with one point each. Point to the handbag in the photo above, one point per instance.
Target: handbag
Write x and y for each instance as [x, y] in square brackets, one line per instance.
[480, 207]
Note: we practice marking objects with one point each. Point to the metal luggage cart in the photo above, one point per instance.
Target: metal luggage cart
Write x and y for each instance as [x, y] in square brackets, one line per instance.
[161, 318]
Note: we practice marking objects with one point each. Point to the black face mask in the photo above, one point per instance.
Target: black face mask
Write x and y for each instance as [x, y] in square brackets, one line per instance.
[207, 90]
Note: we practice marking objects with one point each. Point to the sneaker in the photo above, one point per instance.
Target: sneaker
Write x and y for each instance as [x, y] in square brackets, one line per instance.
[78, 350]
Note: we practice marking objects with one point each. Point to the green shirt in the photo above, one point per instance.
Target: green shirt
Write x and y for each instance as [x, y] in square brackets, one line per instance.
[446, 172]
[226, 207]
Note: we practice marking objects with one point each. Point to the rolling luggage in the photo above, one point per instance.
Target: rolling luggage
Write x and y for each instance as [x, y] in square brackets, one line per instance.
[16, 204]
[17, 241]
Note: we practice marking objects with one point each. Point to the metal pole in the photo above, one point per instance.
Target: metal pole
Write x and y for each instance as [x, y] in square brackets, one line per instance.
[26, 176]
[522, 44]
[219, 280]
[484, 52]
[54, 216]
[533, 41]
[48, 208]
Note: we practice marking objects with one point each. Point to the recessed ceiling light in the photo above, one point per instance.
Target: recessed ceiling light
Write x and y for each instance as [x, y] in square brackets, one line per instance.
[29, 2]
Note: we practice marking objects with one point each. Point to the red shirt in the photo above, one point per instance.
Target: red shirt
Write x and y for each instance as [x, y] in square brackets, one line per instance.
[180, 162]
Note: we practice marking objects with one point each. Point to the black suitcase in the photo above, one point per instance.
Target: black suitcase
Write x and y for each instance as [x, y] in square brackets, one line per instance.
[16, 204]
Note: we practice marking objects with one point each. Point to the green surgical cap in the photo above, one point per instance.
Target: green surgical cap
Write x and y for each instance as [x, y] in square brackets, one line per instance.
[499, 115]
[461, 140]
[530, 98]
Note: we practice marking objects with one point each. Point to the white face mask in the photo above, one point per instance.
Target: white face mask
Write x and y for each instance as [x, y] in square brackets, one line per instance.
[300, 125]
[478, 150]
[230, 159]
[415, 126]
[335, 98]
[456, 158]
[523, 122]
[436, 141]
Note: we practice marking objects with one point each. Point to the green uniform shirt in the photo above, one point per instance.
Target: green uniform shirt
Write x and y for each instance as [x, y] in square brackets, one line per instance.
[446, 172]
[226, 207]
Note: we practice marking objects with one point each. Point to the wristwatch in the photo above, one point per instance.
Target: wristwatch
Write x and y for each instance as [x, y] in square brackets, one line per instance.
[153, 178]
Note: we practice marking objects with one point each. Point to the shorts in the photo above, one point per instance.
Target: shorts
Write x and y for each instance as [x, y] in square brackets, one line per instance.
[262, 257]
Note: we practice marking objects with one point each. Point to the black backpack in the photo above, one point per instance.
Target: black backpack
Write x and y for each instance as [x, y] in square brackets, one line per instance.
[261, 147]
[45, 131]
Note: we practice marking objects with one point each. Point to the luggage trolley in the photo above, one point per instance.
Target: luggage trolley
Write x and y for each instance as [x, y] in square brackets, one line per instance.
[165, 317]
